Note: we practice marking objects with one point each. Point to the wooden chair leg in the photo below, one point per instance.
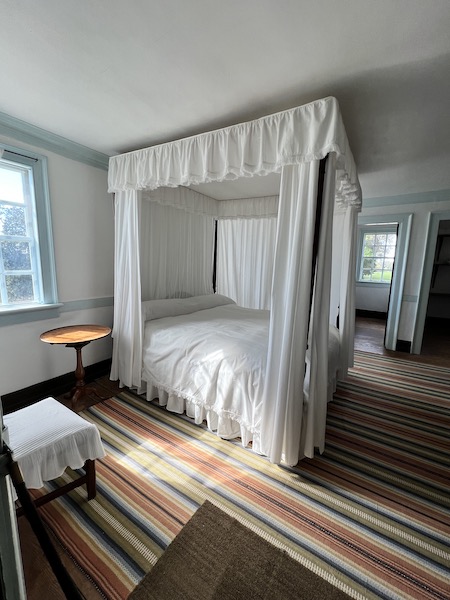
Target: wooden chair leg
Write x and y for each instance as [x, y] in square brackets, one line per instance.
[88, 478]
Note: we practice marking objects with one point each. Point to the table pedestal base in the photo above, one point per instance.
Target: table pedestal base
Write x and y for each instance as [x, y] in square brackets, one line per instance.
[81, 388]
[78, 392]
[77, 336]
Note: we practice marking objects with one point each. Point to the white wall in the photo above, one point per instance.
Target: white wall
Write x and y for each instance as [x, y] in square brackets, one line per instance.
[421, 206]
[83, 232]
[371, 297]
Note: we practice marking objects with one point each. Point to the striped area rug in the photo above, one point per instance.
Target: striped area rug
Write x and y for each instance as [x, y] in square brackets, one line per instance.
[371, 515]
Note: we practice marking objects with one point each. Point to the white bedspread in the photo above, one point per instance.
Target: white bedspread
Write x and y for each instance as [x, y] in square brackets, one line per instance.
[211, 365]
[46, 438]
[215, 359]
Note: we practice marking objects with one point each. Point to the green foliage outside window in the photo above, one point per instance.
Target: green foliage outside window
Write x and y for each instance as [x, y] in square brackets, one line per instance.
[377, 261]
[15, 242]
[27, 263]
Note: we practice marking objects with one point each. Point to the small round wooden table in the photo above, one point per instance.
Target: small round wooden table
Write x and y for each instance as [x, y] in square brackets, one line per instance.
[77, 336]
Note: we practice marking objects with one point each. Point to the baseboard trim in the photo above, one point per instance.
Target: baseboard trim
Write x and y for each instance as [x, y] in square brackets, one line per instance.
[403, 346]
[52, 387]
[371, 314]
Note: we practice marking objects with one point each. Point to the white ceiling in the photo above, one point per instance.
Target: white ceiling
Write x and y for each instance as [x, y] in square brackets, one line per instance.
[116, 76]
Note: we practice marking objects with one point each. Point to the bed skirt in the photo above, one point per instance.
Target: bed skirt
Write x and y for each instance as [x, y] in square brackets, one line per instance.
[226, 425]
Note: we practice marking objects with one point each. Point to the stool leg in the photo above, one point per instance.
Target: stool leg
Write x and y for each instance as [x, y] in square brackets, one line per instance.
[67, 584]
[89, 467]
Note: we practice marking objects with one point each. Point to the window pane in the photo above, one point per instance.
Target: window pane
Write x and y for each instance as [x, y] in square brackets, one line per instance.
[19, 288]
[16, 256]
[392, 239]
[388, 264]
[368, 244]
[11, 185]
[27, 266]
[12, 220]
[376, 275]
[377, 256]
[379, 249]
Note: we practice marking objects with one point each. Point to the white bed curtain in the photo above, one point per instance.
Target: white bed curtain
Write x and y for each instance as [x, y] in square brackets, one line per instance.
[292, 142]
[293, 423]
[245, 255]
[127, 327]
[178, 246]
[348, 228]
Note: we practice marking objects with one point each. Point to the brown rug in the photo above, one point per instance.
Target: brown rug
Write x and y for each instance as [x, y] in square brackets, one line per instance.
[214, 557]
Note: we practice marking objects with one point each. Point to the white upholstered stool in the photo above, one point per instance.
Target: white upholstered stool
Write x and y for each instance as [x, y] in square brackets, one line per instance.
[46, 438]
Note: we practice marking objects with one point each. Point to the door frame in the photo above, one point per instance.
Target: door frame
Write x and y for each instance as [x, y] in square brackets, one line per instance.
[404, 223]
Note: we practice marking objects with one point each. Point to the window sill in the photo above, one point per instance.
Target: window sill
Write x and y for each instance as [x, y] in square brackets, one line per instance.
[373, 284]
[24, 314]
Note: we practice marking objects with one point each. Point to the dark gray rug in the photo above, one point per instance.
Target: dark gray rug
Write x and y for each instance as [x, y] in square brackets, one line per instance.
[215, 557]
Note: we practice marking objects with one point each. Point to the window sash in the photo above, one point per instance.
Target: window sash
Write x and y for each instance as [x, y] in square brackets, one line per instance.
[383, 256]
[38, 235]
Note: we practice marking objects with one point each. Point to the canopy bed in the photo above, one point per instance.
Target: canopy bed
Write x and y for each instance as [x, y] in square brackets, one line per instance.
[309, 275]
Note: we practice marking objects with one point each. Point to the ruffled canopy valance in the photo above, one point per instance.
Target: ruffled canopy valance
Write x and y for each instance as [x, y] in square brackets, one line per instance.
[259, 147]
[194, 202]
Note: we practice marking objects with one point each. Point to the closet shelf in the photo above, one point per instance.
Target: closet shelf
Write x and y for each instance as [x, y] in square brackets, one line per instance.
[439, 262]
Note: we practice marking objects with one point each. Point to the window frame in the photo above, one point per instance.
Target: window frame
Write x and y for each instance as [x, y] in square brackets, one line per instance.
[373, 228]
[11, 314]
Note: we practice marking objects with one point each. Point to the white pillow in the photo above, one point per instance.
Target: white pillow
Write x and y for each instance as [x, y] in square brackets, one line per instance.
[171, 307]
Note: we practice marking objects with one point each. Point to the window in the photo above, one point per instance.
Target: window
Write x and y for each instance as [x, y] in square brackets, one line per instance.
[27, 277]
[377, 253]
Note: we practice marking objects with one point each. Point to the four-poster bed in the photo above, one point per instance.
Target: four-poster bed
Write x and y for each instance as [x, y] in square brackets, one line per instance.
[312, 276]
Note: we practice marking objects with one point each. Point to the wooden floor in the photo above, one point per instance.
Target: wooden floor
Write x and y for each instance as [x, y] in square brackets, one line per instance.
[369, 337]
[40, 580]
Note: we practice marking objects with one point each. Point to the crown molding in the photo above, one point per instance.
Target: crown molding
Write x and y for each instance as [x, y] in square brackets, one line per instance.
[416, 198]
[35, 136]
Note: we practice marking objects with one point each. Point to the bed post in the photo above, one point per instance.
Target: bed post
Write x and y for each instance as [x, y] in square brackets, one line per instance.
[214, 273]
[320, 187]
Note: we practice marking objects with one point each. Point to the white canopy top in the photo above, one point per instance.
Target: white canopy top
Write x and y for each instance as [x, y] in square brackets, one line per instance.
[259, 147]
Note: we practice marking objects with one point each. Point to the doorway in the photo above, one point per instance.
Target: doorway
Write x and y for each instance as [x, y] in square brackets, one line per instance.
[432, 330]
[393, 293]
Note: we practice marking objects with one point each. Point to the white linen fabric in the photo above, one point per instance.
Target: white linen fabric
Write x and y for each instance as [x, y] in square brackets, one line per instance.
[291, 142]
[315, 397]
[245, 255]
[178, 251]
[127, 326]
[188, 200]
[46, 438]
[192, 201]
[347, 289]
[283, 405]
[211, 364]
[259, 147]
[242, 208]
[158, 309]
